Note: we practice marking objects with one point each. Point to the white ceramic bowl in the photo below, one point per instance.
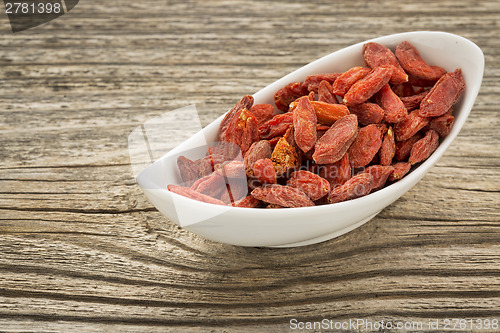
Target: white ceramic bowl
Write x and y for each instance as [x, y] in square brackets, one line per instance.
[308, 225]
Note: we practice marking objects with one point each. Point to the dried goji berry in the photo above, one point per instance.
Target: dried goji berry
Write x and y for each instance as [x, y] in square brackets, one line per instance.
[380, 175]
[365, 146]
[207, 164]
[443, 94]
[325, 93]
[242, 130]
[191, 194]
[376, 54]
[419, 82]
[329, 113]
[262, 112]
[357, 186]
[274, 206]
[188, 170]
[304, 123]
[312, 82]
[400, 169]
[334, 143]
[388, 148]
[231, 169]
[285, 157]
[247, 202]
[245, 103]
[285, 196]
[442, 124]
[365, 88]
[263, 170]
[413, 102]
[403, 148]
[311, 184]
[368, 113]
[409, 126]
[288, 94]
[276, 126]
[403, 89]
[212, 185]
[258, 150]
[347, 79]
[424, 147]
[394, 109]
[412, 62]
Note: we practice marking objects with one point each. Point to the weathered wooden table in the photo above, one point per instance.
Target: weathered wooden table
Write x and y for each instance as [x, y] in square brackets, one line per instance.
[81, 249]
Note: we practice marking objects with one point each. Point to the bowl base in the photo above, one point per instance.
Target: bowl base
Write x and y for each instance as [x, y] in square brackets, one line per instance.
[326, 237]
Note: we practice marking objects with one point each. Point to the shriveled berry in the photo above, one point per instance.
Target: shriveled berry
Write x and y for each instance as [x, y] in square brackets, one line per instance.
[245, 103]
[376, 54]
[191, 194]
[264, 171]
[284, 157]
[394, 109]
[443, 95]
[388, 148]
[347, 79]
[380, 175]
[368, 113]
[312, 82]
[262, 112]
[356, 187]
[409, 126]
[334, 143]
[285, 196]
[365, 88]
[327, 113]
[258, 150]
[276, 126]
[400, 170]
[325, 93]
[314, 186]
[413, 63]
[304, 123]
[288, 94]
[365, 146]
[424, 147]
[442, 124]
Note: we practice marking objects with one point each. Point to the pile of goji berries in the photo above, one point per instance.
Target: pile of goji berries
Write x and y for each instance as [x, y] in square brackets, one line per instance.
[330, 138]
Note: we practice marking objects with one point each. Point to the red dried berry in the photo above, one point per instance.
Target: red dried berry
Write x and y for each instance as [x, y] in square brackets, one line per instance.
[276, 126]
[388, 148]
[355, 187]
[334, 143]
[365, 146]
[347, 79]
[365, 88]
[409, 126]
[314, 186]
[413, 63]
[400, 170]
[191, 194]
[264, 171]
[424, 147]
[285, 196]
[288, 94]
[443, 95]
[304, 123]
[376, 54]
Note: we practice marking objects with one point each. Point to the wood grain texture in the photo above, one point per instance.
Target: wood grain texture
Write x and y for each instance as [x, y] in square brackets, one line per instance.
[81, 249]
